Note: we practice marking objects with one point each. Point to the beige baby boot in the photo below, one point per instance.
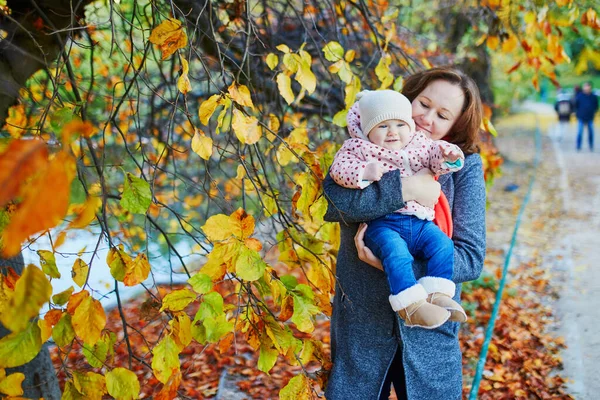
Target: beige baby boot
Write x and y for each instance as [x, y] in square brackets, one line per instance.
[440, 292]
[413, 308]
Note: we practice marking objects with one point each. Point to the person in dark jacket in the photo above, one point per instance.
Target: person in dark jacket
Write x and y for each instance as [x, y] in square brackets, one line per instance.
[370, 346]
[586, 105]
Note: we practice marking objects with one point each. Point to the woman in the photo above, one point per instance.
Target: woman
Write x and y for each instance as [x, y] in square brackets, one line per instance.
[370, 346]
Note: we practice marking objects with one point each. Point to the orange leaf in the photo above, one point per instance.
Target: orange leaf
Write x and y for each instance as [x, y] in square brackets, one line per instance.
[20, 160]
[45, 203]
[168, 36]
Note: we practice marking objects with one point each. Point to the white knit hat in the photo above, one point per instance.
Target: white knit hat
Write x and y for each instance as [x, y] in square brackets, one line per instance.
[379, 105]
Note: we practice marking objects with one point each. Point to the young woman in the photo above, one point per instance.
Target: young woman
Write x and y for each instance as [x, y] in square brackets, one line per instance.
[370, 346]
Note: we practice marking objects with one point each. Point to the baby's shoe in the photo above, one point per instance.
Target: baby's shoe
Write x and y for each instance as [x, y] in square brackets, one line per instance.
[413, 308]
[440, 292]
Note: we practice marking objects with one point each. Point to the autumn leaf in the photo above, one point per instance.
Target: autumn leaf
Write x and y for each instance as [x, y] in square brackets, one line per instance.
[19, 161]
[96, 355]
[137, 270]
[208, 107]
[267, 356]
[19, 348]
[45, 203]
[272, 60]
[241, 95]
[48, 263]
[177, 300]
[304, 309]
[63, 333]
[31, 292]
[201, 283]
[62, 297]
[165, 359]
[249, 265]
[333, 51]
[90, 384]
[183, 82]
[80, 272]
[298, 388]
[11, 385]
[284, 84]
[382, 70]
[202, 145]
[122, 384]
[169, 36]
[246, 127]
[86, 213]
[89, 320]
[137, 196]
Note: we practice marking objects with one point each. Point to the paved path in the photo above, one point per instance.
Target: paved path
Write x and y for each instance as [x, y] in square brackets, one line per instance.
[568, 182]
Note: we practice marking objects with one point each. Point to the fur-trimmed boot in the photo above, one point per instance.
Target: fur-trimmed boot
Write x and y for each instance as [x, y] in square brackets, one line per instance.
[412, 306]
[440, 292]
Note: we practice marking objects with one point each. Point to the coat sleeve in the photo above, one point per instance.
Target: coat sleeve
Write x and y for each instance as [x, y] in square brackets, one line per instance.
[349, 165]
[468, 215]
[353, 206]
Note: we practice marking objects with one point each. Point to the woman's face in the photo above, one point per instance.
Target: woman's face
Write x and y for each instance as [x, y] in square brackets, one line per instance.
[437, 107]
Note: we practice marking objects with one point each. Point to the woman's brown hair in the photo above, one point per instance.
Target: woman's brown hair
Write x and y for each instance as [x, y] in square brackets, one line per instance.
[466, 129]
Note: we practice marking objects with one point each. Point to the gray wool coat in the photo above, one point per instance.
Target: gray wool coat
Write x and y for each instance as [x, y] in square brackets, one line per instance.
[365, 332]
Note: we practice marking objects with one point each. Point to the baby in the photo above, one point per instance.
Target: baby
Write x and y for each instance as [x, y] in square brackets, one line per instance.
[391, 143]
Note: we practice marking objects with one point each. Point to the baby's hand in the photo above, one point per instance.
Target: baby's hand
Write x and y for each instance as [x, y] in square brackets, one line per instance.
[450, 153]
[373, 172]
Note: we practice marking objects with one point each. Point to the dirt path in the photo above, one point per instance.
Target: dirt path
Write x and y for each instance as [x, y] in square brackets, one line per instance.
[562, 227]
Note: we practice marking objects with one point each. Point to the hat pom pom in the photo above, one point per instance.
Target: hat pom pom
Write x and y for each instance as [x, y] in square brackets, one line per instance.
[361, 94]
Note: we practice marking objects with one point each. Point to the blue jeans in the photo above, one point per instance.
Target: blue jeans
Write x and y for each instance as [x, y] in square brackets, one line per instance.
[396, 238]
[590, 127]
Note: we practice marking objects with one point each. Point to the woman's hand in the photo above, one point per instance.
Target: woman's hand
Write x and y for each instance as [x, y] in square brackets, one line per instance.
[422, 188]
[364, 253]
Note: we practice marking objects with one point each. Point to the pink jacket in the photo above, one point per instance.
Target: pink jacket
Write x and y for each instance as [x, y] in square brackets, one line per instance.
[421, 152]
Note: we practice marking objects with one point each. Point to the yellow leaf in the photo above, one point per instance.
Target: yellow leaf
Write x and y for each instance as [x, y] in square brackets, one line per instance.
[178, 300]
[86, 213]
[62, 297]
[16, 122]
[165, 360]
[45, 203]
[249, 265]
[89, 320]
[11, 385]
[245, 127]
[137, 271]
[272, 60]
[122, 384]
[31, 292]
[310, 191]
[183, 82]
[306, 78]
[351, 91]
[492, 42]
[168, 36]
[382, 70]
[118, 260]
[241, 95]
[182, 330]
[284, 84]
[202, 145]
[90, 384]
[273, 125]
[48, 263]
[298, 388]
[208, 107]
[283, 48]
[508, 45]
[349, 57]
[240, 172]
[19, 348]
[20, 160]
[217, 228]
[426, 63]
[333, 51]
[340, 118]
[80, 272]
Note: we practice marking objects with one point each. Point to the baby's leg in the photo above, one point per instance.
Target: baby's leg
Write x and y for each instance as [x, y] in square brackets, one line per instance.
[436, 248]
[384, 238]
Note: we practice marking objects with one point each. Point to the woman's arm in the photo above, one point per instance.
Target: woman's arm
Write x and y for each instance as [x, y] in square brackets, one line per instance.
[468, 216]
[374, 201]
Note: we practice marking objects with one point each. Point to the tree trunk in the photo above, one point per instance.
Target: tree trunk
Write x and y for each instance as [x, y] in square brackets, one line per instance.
[40, 377]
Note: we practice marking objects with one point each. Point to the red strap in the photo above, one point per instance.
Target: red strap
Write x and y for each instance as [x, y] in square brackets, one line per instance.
[443, 215]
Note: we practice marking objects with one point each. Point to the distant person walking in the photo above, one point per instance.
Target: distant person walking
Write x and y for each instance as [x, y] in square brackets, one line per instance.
[564, 109]
[586, 105]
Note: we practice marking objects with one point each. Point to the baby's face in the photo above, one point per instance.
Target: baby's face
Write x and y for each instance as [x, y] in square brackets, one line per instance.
[393, 134]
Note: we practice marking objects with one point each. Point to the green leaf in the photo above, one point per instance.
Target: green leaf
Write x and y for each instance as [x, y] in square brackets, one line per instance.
[201, 283]
[211, 306]
[118, 260]
[298, 388]
[216, 328]
[71, 392]
[61, 298]
[136, 196]
[178, 300]
[20, 347]
[304, 309]
[48, 263]
[63, 333]
[96, 354]
[267, 356]
[333, 51]
[123, 384]
[340, 118]
[165, 359]
[249, 265]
